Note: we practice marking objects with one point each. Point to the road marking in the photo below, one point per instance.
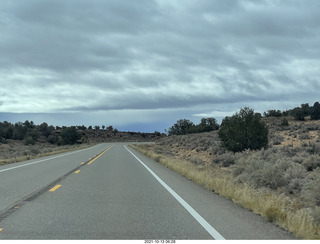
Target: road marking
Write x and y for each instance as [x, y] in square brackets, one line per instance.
[215, 234]
[76, 172]
[55, 188]
[1, 229]
[99, 155]
[43, 160]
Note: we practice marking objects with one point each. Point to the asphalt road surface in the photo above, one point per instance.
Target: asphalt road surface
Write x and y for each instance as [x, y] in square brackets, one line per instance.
[109, 192]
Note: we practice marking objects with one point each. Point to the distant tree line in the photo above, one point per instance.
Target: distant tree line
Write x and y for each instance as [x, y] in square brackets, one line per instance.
[31, 133]
[185, 126]
[299, 113]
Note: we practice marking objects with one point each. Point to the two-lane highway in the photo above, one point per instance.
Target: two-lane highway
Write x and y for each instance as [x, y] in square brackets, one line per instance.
[22, 179]
[119, 194]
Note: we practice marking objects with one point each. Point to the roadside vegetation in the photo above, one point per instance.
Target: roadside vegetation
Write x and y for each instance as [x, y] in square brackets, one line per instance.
[24, 141]
[15, 151]
[279, 180]
[30, 133]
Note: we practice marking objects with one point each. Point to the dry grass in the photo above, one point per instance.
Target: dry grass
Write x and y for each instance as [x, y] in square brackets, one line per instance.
[284, 211]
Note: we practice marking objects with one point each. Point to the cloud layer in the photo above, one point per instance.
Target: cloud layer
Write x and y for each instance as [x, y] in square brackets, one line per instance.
[204, 56]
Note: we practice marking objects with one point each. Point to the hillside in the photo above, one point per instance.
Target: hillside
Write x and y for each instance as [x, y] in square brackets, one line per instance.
[281, 182]
[207, 146]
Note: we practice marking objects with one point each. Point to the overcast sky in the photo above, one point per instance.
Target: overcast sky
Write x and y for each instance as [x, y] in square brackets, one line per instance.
[141, 65]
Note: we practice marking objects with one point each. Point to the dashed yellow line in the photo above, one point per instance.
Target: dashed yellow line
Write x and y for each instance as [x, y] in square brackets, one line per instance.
[55, 188]
[76, 172]
[99, 155]
[0, 229]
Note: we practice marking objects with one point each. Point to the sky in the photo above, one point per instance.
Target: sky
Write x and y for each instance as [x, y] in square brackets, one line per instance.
[142, 65]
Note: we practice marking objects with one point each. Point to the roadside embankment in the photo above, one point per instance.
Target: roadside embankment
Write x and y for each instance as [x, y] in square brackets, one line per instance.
[272, 203]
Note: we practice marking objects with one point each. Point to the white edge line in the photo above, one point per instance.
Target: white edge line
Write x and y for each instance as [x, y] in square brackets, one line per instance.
[215, 234]
[40, 161]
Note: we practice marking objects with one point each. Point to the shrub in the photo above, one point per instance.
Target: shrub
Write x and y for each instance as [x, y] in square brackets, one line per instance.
[316, 216]
[311, 162]
[53, 139]
[244, 167]
[304, 135]
[314, 148]
[35, 151]
[244, 130]
[268, 176]
[284, 122]
[226, 159]
[29, 141]
[295, 171]
[294, 186]
[310, 191]
[277, 139]
[295, 178]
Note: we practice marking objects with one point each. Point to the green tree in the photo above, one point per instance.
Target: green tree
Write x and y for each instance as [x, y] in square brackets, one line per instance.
[273, 113]
[181, 127]
[70, 135]
[306, 109]
[298, 113]
[19, 131]
[46, 130]
[209, 124]
[284, 122]
[29, 125]
[315, 111]
[244, 130]
[82, 127]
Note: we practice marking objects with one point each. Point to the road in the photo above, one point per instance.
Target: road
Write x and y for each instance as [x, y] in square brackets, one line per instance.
[109, 192]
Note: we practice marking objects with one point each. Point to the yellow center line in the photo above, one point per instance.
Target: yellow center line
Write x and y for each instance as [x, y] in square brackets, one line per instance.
[0, 229]
[55, 188]
[76, 172]
[99, 155]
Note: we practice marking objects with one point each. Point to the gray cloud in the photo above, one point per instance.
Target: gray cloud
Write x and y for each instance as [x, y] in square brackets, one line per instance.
[202, 56]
